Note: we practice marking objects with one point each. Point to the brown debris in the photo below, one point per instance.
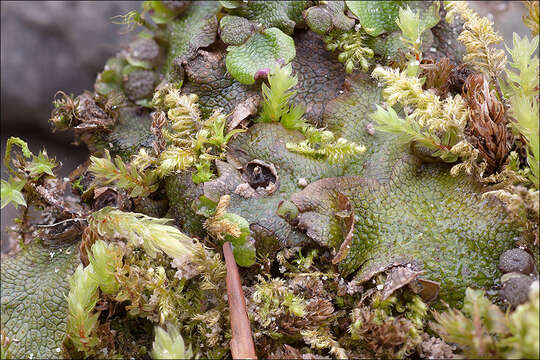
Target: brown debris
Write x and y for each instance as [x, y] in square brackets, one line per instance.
[286, 352]
[63, 232]
[444, 77]
[383, 339]
[244, 109]
[398, 277]
[159, 121]
[91, 116]
[487, 130]
[457, 79]
[437, 75]
[435, 348]
[64, 112]
[49, 193]
[89, 237]
[532, 19]
[111, 104]
[402, 275]
[104, 196]
[78, 171]
[427, 289]
[106, 335]
[317, 312]
[346, 213]
[289, 352]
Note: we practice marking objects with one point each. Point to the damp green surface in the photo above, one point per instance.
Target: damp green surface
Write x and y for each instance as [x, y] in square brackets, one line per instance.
[34, 286]
[405, 212]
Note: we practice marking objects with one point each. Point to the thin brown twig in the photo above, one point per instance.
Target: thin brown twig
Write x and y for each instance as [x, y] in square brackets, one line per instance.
[242, 346]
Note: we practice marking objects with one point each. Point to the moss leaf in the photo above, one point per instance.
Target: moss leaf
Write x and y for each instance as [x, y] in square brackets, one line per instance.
[11, 192]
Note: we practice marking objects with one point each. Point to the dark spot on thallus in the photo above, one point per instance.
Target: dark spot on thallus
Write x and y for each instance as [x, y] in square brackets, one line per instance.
[259, 175]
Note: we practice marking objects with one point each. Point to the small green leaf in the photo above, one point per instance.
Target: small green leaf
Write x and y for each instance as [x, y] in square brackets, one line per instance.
[204, 206]
[7, 155]
[128, 69]
[11, 192]
[108, 75]
[147, 103]
[41, 164]
[159, 13]
[293, 118]
[111, 76]
[243, 249]
[169, 344]
[409, 23]
[377, 17]
[139, 63]
[76, 185]
[244, 254]
[24, 146]
[260, 51]
[204, 172]
[230, 4]
[276, 106]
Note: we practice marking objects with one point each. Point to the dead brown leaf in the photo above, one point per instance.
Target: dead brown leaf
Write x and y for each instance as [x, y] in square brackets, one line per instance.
[487, 129]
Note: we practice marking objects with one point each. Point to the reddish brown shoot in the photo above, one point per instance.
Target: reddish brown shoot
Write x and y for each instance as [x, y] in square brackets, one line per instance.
[242, 346]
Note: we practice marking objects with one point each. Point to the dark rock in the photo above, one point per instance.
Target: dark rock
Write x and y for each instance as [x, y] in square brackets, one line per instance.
[145, 51]
[515, 288]
[140, 84]
[53, 45]
[517, 260]
[318, 19]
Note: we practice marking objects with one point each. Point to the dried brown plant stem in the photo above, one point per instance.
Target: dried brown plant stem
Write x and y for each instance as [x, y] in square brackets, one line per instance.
[242, 346]
[487, 128]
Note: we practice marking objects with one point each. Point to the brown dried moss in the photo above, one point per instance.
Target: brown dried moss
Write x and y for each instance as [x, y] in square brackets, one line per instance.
[487, 128]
